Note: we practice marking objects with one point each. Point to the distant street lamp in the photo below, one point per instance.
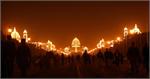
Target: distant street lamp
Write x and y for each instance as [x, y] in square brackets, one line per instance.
[9, 30]
[118, 39]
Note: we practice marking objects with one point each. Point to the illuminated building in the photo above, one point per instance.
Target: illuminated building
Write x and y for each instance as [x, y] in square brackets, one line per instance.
[66, 50]
[125, 31]
[53, 47]
[25, 35]
[76, 43]
[108, 44]
[112, 43]
[135, 30]
[101, 44]
[15, 35]
[50, 46]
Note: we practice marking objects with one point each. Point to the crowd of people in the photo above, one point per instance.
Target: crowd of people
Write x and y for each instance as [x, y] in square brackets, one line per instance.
[20, 54]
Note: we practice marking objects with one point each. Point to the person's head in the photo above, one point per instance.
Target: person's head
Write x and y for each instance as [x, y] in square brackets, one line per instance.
[3, 37]
[99, 50]
[50, 51]
[117, 50]
[107, 49]
[9, 37]
[23, 41]
[132, 44]
[85, 52]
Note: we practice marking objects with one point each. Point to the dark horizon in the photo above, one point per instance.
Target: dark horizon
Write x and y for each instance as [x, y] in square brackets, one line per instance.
[89, 21]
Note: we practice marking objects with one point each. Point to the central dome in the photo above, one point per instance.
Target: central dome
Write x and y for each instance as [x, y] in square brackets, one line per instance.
[75, 42]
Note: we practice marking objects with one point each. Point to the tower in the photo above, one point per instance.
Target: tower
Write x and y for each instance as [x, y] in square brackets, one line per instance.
[25, 35]
[49, 45]
[136, 29]
[125, 32]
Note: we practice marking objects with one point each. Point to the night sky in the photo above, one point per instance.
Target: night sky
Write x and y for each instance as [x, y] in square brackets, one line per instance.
[60, 22]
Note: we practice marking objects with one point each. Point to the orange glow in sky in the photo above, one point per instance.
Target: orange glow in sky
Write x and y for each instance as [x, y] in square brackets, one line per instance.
[61, 21]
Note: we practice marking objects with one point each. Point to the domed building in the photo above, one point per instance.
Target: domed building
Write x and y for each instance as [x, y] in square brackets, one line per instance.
[75, 44]
[50, 46]
[15, 35]
[135, 30]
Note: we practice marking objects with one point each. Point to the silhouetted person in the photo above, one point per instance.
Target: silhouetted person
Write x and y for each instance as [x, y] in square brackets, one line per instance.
[93, 58]
[69, 59]
[8, 56]
[42, 62]
[48, 59]
[62, 59]
[146, 57]
[72, 59]
[108, 57]
[56, 59]
[100, 56]
[118, 57]
[23, 57]
[52, 58]
[78, 58]
[133, 57]
[86, 57]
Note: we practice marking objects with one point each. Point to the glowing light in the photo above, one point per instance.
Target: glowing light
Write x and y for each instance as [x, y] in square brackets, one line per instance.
[53, 47]
[50, 46]
[39, 43]
[112, 43]
[29, 39]
[66, 50]
[9, 30]
[108, 42]
[25, 35]
[131, 32]
[125, 31]
[76, 43]
[101, 44]
[15, 35]
[85, 49]
[47, 46]
[25, 31]
[135, 30]
[118, 39]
